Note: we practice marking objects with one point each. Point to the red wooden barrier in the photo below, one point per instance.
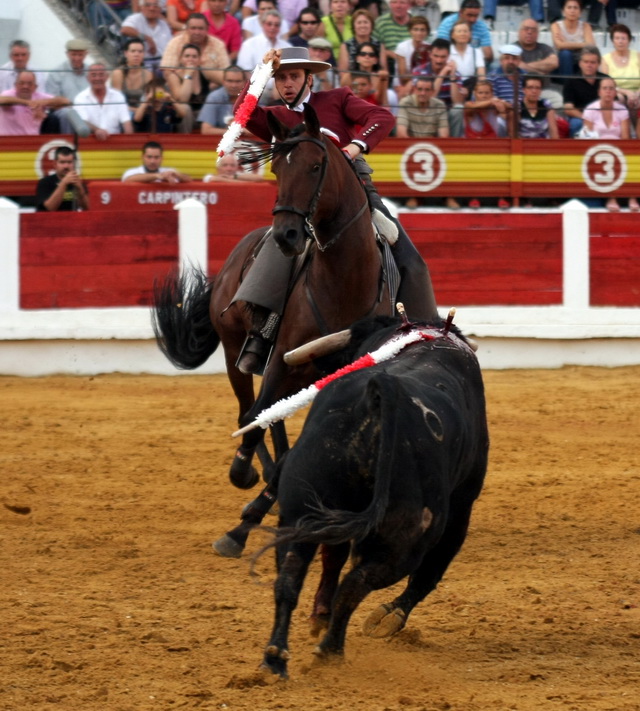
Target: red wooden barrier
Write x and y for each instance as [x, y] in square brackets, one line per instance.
[94, 259]
[485, 259]
[491, 259]
[615, 260]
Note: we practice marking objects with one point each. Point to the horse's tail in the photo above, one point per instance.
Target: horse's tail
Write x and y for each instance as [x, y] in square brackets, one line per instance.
[181, 320]
[331, 526]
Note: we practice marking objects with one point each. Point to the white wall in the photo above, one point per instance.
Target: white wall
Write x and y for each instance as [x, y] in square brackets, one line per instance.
[35, 22]
[90, 341]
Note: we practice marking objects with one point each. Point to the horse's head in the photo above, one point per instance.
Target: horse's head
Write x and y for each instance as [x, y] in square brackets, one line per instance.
[300, 160]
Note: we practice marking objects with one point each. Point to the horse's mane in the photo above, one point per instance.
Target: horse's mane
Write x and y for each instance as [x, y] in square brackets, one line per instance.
[254, 155]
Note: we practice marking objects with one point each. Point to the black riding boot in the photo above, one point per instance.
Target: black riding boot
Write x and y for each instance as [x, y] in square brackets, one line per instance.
[254, 356]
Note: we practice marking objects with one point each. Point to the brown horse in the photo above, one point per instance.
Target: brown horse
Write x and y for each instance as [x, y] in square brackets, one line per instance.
[320, 198]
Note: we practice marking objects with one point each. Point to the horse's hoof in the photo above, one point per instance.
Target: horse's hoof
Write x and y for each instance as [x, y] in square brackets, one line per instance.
[243, 478]
[318, 624]
[324, 655]
[385, 621]
[274, 670]
[227, 547]
[275, 660]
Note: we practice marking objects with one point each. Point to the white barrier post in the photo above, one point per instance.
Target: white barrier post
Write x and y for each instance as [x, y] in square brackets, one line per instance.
[575, 255]
[192, 233]
[9, 256]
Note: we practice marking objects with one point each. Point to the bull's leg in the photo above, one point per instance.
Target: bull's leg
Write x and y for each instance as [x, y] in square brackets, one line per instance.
[353, 589]
[293, 570]
[333, 560]
[370, 575]
[390, 618]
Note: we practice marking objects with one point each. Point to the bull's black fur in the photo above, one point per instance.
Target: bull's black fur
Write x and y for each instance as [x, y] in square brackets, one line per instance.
[184, 334]
[391, 458]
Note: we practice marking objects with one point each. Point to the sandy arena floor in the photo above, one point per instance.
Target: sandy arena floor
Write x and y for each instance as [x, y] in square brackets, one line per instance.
[112, 599]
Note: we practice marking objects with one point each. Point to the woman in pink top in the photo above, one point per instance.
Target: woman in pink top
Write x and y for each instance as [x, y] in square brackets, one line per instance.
[610, 120]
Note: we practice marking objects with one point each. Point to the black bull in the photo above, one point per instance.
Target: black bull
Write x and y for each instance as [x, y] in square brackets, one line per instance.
[389, 462]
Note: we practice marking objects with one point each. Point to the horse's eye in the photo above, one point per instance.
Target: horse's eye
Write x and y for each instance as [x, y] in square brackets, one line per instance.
[316, 167]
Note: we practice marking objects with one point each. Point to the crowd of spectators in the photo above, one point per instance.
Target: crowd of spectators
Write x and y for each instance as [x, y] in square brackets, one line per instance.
[184, 62]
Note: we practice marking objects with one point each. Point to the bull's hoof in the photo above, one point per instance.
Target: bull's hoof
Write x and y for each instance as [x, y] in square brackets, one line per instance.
[227, 547]
[385, 621]
[243, 476]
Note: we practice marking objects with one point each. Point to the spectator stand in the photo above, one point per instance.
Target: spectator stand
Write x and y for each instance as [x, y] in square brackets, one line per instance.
[96, 21]
[510, 15]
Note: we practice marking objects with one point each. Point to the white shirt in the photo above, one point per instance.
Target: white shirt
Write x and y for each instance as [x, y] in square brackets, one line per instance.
[254, 49]
[8, 77]
[161, 34]
[252, 24]
[141, 170]
[468, 63]
[110, 115]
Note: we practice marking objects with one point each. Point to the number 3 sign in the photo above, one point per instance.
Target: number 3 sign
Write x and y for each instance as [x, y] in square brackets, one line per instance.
[604, 168]
[423, 167]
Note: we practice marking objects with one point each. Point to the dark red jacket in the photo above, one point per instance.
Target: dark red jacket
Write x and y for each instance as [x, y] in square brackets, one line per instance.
[339, 110]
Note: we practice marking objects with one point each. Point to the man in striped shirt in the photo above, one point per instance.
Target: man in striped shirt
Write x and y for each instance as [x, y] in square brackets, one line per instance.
[392, 27]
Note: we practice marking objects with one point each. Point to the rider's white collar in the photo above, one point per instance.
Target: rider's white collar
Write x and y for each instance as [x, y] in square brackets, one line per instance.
[300, 106]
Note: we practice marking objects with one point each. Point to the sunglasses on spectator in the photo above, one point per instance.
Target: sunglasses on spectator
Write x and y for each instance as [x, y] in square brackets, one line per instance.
[367, 54]
[309, 22]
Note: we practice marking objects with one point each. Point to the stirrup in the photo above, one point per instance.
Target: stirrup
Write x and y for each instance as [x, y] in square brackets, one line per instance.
[254, 355]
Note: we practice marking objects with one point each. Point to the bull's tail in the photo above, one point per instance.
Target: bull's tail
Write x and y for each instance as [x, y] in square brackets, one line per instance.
[331, 526]
[180, 318]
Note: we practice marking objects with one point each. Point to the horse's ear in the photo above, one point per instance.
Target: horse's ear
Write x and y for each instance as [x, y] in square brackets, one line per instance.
[278, 130]
[311, 121]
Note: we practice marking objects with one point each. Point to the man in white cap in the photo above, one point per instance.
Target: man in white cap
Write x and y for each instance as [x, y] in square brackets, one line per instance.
[69, 79]
[508, 76]
[320, 50]
[358, 127]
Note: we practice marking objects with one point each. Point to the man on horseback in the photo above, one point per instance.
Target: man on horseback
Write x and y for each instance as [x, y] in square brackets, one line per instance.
[357, 126]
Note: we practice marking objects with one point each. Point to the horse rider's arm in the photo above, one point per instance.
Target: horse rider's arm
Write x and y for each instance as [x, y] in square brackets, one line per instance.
[376, 122]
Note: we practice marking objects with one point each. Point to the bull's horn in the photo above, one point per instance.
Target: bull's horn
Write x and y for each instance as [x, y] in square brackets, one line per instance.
[320, 347]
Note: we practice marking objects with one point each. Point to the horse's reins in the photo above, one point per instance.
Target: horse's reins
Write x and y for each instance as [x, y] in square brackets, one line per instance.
[313, 205]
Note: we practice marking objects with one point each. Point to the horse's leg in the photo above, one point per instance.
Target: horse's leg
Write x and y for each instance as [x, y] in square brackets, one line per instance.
[287, 591]
[242, 473]
[333, 560]
[233, 542]
[280, 446]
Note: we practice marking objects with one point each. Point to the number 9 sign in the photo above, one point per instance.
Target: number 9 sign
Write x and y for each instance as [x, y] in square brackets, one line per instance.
[423, 167]
[604, 168]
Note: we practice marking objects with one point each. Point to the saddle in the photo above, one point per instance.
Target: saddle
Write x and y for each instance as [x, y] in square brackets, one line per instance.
[267, 283]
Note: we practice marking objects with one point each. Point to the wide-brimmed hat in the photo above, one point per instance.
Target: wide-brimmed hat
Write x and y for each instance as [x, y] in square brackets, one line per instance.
[298, 58]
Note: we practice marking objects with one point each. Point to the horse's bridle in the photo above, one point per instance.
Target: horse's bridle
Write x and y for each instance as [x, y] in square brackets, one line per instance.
[313, 205]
